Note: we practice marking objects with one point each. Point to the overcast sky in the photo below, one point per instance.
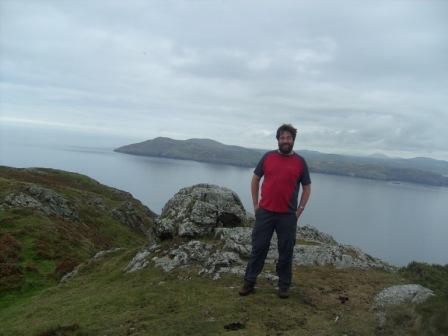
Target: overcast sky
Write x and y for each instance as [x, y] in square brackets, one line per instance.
[357, 77]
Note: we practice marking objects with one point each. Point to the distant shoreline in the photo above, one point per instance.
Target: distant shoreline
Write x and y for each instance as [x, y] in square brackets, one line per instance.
[417, 170]
[312, 169]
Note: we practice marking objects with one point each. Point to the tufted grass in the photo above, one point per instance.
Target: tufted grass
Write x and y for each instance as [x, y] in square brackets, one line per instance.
[103, 300]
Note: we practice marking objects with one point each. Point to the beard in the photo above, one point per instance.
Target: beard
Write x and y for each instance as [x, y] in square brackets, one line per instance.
[285, 148]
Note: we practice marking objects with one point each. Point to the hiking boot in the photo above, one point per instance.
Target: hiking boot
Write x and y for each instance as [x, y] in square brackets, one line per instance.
[283, 293]
[246, 289]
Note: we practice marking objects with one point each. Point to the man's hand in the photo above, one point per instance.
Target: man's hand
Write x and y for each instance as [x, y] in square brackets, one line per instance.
[254, 186]
[299, 212]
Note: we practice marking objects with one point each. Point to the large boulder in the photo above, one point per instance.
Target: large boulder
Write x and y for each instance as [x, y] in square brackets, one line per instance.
[197, 210]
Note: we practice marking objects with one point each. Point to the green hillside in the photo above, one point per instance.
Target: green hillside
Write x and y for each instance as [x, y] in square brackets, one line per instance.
[203, 150]
[51, 221]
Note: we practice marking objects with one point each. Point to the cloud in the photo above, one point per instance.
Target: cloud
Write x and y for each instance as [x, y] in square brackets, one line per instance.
[359, 78]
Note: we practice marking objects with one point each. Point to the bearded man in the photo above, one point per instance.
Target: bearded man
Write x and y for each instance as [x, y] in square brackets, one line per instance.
[278, 209]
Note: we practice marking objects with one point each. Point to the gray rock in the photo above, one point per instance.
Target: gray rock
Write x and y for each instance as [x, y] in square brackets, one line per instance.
[193, 252]
[321, 250]
[71, 274]
[398, 295]
[128, 215]
[237, 240]
[141, 259]
[219, 260]
[21, 201]
[139, 262]
[196, 211]
[46, 200]
[213, 261]
[53, 201]
[101, 254]
[339, 256]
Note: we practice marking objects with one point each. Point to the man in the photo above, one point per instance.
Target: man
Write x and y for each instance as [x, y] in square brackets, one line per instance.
[284, 171]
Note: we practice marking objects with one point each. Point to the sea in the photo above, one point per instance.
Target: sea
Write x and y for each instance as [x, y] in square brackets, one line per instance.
[397, 222]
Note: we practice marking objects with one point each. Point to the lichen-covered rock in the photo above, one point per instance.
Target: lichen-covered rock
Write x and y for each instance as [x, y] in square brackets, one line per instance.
[398, 295]
[46, 200]
[237, 239]
[339, 256]
[196, 211]
[141, 259]
[139, 262]
[320, 249]
[230, 256]
[141, 221]
[193, 252]
[210, 260]
[21, 201]
[221, 259]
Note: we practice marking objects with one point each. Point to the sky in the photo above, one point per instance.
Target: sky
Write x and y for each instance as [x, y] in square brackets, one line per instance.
[354, 77]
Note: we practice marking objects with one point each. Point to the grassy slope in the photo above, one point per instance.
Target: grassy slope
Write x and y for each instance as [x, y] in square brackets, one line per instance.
[104, 300]
[36, 250]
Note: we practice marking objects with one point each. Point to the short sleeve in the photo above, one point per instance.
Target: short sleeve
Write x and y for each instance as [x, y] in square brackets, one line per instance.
[305, 178]
[259, 169]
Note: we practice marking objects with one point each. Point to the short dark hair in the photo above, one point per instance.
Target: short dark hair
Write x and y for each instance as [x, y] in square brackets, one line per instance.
[286, 128]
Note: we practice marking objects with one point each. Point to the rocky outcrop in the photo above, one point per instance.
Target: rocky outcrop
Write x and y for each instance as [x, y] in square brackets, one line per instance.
[212, 211]
[46, 200]
[140, 221]
[208, 258]
[196, 211]
[398, 295]
[130, 213]
[313, 248]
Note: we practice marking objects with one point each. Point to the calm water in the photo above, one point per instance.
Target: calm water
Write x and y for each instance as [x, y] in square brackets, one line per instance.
[396, 222]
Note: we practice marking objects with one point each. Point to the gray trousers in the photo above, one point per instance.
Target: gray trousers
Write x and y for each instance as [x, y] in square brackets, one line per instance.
[285, 225]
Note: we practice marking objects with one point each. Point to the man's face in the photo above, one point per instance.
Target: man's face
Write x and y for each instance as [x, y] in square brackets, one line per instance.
[285, 142]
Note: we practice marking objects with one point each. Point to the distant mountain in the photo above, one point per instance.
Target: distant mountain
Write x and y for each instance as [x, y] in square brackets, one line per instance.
[417, 170]
[203, 150]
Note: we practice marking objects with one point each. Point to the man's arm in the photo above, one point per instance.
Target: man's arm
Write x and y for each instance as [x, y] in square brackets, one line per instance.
[254, 187]
[306, 192]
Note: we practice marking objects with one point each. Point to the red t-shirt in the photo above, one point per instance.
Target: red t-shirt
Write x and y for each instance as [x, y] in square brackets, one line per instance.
[283, 175]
